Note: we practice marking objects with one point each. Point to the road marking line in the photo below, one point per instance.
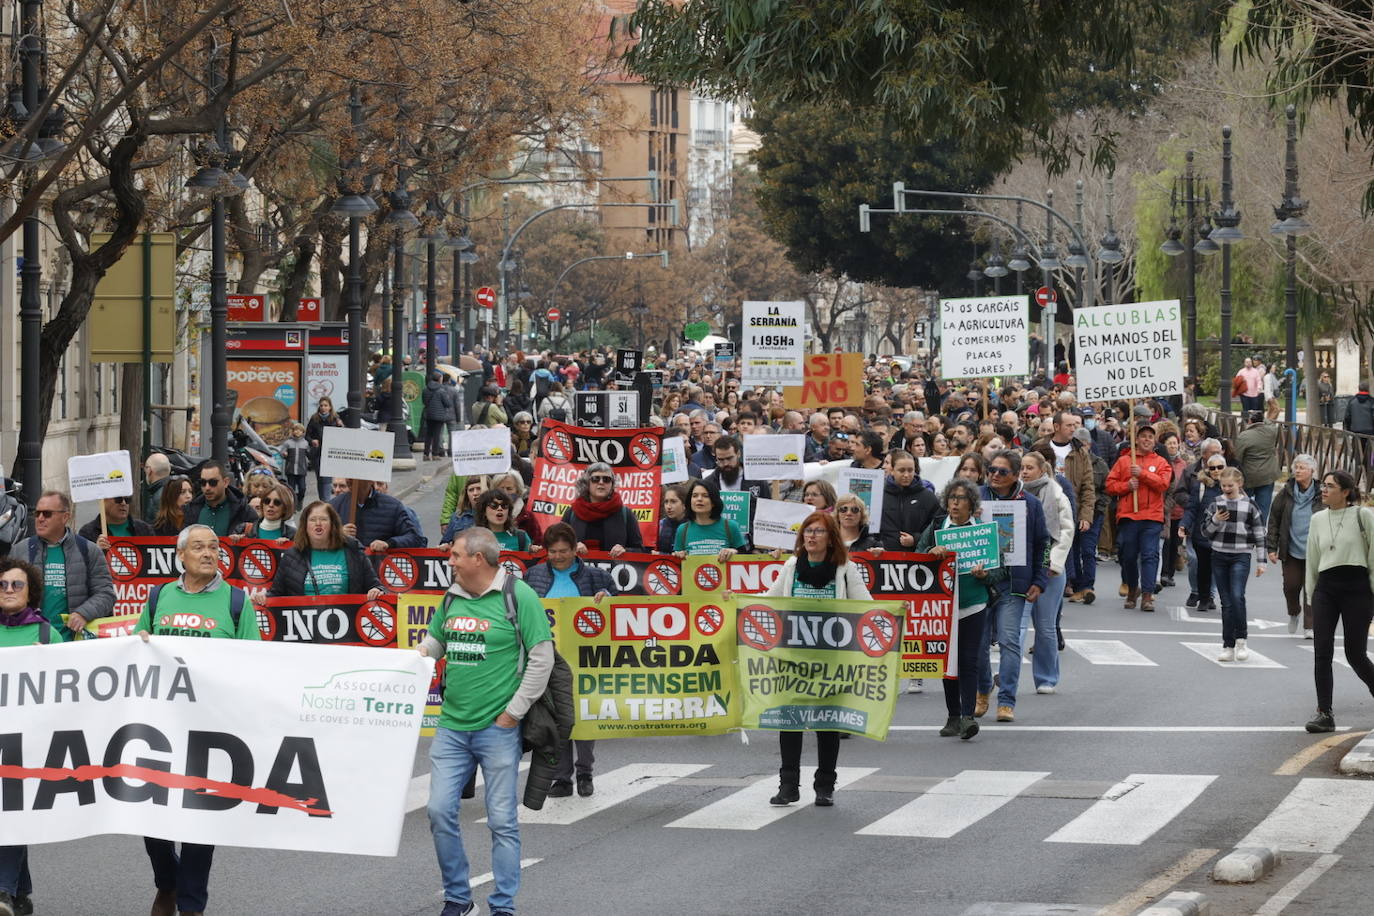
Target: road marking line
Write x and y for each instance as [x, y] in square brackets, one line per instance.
[1303, 758]
[1134, 810]
[954, 804]
[488, 877]
[1154, 888]
[1162, 729]
[1209, 650]
[1108, 652]
[1119, 632]
[1339, 659]
[1290, 891]
[1316, 816]
[613, 788]
[417, 795]
[748, 809]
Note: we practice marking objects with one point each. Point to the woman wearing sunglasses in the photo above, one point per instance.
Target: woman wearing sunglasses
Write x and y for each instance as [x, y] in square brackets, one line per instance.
[599, 518]
[276, 506]
[118, 522]
[495, 513]
[21, 624]
[1202, 493]
[852, 515]
[323, 560]
[818, 568]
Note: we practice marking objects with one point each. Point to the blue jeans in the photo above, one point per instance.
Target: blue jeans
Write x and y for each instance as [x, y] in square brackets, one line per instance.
[14, 871]
[1262, 497]
[1082, 564]
[188, 875]
[1004, 624]
[453, 758]
[1139, 544]
[1044, 611]
[324, 486]
[1231, 570]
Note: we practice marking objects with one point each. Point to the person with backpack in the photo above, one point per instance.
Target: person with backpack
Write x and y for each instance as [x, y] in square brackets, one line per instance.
[440, 409]
[496, 669]
[200, 594]
[74, 570]
[487, 412]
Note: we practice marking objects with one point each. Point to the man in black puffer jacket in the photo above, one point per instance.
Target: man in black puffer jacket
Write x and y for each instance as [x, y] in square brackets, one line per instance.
[382, 521]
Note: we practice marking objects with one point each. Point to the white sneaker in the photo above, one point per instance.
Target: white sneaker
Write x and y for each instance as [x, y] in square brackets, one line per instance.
[1293, 624]
[1242, 653]
[915, 685]
[1306, 634]
[1045, 688]
[1227, 655]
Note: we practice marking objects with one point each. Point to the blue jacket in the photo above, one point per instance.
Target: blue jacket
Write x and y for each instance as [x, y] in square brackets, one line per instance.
[1036, 572]
[588, 579]
[382, 517]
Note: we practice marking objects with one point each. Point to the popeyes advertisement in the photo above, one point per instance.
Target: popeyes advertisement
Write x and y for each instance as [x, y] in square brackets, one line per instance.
[269, 394]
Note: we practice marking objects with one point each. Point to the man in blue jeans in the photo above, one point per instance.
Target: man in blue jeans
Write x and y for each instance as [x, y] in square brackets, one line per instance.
[1015, 586]
[488, 689]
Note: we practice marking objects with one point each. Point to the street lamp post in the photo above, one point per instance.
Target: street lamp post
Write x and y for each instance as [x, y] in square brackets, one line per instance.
[1226, 233]
[1049, 263]
[640, 308]
[401, 221]
[463, 255]
[1196, 240]
[1110, 251]
[433, 239]
[1291, 224]
[355, 204]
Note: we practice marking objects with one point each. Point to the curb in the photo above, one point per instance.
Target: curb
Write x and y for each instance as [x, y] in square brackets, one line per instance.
[1180, 903]
[1359, 760]
[1246, 865]
[418, 482]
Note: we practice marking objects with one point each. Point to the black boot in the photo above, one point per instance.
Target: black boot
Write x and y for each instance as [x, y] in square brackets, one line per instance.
[1322, 722]
[789, 787]
[825, 797]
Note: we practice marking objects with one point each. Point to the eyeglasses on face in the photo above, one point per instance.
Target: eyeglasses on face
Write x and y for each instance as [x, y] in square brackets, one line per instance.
[273, 501]
[956, 498]
[13, 585]
[601, 478]
[814, 532]
[48, 513]
[1000, 472]
[120, 499]
[210, 481]
[847, 509]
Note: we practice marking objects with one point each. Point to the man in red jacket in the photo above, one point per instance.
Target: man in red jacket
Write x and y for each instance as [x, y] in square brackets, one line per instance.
[1139, 479]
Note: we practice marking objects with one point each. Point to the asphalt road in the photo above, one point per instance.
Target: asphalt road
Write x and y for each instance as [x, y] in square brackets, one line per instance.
[1150, 763]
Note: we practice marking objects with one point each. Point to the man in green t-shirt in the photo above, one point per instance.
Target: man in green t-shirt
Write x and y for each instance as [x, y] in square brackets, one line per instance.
[488, 689]
[200, 603]
[76, 578]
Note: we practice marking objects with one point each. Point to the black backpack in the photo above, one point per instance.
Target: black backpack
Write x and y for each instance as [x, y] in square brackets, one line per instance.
[236, 598]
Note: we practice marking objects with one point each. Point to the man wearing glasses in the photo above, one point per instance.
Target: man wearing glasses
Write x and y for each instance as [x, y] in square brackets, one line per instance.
[76, 580]
[118, 522]
[219, 505]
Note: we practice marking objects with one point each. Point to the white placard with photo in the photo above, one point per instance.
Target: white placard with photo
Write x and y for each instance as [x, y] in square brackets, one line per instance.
[357, 454]
[1010, 516]
[480, 451]
[774, 457]
[985, 337]
[99, 476]
[868, 486]
[673, 463]
[777, 521]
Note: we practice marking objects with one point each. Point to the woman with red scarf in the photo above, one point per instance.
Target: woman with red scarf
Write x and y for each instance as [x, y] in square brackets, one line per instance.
[598, 517]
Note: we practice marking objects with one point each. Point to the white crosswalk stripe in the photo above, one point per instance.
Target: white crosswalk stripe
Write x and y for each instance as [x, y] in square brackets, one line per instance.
[748, 809]
[1134, 810]
[954, 804]
[617, 786]
[1339, 657]
[1316, 816]
[1108, 652]
[1210, 651]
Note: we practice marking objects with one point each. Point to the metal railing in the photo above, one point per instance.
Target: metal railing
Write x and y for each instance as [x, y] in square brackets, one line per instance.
[1334, 449]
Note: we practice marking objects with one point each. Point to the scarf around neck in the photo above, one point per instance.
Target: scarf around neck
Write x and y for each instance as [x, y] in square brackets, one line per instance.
[816, 575]
[589, 511]
[21, 619]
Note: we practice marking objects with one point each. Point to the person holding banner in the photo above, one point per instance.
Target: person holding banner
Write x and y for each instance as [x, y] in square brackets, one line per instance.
[962, 506]
[672, 515]
[117, 521]
[465, 513]
[322, 561]
[598, 517]
[563, 575]
[276, 506]
[75, 575]
[21, 624]
[818, 568]
[221, 611]
[514, 486]
[705, 531]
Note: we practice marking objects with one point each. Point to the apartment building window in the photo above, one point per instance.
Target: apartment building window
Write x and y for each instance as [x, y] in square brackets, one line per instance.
[62, 413]
[99, 387]
[653, 107]
[674, 96]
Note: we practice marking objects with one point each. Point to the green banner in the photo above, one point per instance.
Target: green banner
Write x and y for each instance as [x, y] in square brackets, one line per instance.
[649, 666]
[972, 545]
[413, 386]
[814, 664]
[736, 508]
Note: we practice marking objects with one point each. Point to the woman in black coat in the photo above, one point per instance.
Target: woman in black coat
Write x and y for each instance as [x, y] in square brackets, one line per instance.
[598, 517]
[323, 561]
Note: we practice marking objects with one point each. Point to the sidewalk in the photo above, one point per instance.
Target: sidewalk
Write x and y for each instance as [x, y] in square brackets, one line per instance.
[403, 483]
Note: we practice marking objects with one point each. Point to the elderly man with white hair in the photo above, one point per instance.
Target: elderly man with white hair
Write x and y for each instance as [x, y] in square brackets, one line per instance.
[1290, 519]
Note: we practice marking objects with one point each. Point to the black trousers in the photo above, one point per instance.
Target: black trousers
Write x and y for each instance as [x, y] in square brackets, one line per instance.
[1342, 596]
[961, 693]
[187, 874]
[436, 438]
[827, 755]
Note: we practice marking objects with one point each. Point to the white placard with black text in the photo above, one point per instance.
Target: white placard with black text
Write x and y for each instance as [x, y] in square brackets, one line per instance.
[774, 351]
[777, 521]
[1131, 351]
[773, 457]
[673, 463]
[868, 486]
[985, 337]
[356, 454]
[480, 451]
[100, 476]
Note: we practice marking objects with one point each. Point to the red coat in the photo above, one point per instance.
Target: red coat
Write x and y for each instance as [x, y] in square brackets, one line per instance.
[1155, 474]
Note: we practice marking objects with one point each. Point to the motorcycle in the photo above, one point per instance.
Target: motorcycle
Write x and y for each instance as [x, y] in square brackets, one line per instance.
[14, 516]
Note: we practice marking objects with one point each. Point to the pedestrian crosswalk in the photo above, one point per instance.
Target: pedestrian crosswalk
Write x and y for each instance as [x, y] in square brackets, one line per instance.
[1316, 816]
